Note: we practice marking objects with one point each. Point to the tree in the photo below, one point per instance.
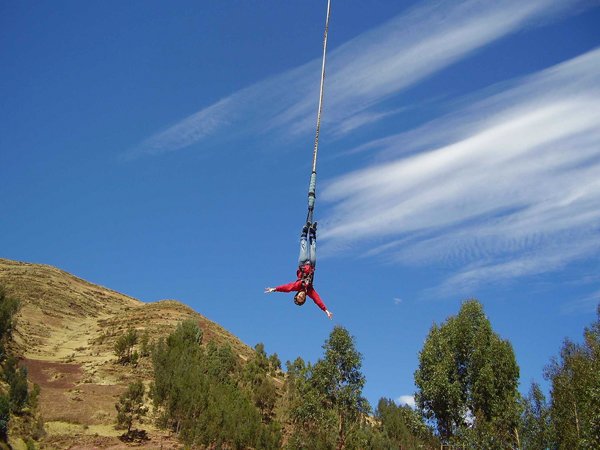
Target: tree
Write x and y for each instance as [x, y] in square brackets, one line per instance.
[18, 390]
[8, 309]
[17, 395]
[274, 364]
[313, 424]
[16, 378]
[254, 380]
[260, 388]
[536, 427]
[339, 379]
[131, 406]
[124, 347]
[175, 362]
[4, 417]
[34, 396]
[575, 405]
[145, 344]
[220, 362]
[403, 426]
[198, 397]
[467, 380]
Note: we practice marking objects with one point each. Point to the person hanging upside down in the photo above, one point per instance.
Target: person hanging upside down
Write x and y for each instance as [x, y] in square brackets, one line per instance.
[307, 261]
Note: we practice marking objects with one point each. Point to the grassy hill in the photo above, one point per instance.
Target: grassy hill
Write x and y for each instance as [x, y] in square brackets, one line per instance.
[66, 331]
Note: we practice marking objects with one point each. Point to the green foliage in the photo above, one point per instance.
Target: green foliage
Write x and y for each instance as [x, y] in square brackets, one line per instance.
[366, 436]
[339, 379]
[311, 422]
[16, 377]
[326, 402]
[221, 414]
[145, 347]
[257, 366]
[4, 417]
[197, 392]
[8, 309]
[257, 383]
[131, 405]
[9, 368]
[18, 391]
[187, 333]
[264, 396]
[274, 364]
[220, 362]
[467, 379]
[16, 400]
[393, 422]
[34, 396]
[403, 426]
[174, 360]
[536, 426]
[135, 357]
[575, 377]
[124, 347]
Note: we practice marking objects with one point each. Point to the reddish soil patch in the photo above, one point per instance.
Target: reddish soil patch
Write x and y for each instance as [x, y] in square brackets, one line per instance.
[53, 375]
[63, 397]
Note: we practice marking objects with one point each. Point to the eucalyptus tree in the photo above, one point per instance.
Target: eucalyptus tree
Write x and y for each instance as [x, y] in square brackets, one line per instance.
[339, 378]
[536, 426]
[575, 405]
[325, 400]
[467, 381]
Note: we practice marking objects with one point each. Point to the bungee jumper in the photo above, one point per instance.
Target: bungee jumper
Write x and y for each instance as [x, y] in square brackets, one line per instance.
[307, 259]
[307, 262]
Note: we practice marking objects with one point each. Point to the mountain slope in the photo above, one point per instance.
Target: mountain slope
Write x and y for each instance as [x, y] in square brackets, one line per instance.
[66, 331]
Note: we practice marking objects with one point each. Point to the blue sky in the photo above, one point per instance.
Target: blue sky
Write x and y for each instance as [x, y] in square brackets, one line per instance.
[163, 149]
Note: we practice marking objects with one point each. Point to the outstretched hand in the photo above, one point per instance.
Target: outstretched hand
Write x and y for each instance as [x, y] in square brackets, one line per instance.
[329, 314]
[269, 290]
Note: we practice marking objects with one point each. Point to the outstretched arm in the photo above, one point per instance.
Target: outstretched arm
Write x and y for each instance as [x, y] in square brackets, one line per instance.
[293, 286]
[312, 293]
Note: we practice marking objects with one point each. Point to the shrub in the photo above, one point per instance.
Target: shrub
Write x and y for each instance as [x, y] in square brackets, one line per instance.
[131, 405]
[124, 346]
[4, 417]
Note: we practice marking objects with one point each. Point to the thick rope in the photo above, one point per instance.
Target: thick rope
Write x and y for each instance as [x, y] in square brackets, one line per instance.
[313, 177]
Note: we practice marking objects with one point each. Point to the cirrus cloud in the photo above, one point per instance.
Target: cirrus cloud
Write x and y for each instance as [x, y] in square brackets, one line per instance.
[513, 190]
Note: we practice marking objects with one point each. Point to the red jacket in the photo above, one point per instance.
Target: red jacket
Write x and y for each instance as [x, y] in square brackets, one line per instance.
[305, 272]
[304, 283]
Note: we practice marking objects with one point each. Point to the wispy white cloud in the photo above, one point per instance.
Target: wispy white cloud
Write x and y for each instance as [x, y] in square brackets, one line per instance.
[361, 73]
[360, 119]
[585, 304]
[506, 187]
[408, 400]
[408, 48]
[397, 300]
[188, 131]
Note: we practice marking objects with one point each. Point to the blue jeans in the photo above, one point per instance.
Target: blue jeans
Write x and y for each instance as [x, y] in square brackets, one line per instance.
[308, 251]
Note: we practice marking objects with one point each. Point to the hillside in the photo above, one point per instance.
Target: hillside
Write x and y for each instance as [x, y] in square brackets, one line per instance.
[66, 330]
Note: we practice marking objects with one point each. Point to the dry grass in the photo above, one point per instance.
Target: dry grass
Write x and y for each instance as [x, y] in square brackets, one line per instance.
[56, 427]
[66, 331]
[86, 441]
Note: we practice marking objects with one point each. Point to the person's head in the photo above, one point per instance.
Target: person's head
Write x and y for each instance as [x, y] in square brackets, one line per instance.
[300, 298]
